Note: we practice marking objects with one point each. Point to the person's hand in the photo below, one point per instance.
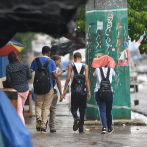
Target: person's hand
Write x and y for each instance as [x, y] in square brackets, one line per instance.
[88, 96]
[64, 70]
[61, 98]
[64, 93]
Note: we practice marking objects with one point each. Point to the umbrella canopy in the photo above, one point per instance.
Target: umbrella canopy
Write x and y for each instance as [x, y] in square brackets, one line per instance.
[11, 46]
[53, 17]
[63, 48]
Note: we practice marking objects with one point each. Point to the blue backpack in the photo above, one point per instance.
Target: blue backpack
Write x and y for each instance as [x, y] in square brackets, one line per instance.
[78, 86]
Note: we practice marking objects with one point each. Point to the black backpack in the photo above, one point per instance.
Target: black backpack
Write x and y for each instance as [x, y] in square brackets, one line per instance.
[78, 86]
[42, 78]
[105, 92]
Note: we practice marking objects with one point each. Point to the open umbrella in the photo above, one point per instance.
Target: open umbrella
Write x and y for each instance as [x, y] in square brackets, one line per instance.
[11, 46]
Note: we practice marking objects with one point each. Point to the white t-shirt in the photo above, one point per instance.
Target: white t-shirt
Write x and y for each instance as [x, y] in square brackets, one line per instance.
[97, 74]
[56, 87]
[78, 67]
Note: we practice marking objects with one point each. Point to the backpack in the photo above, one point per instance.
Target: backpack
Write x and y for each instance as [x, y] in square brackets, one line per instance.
[42, 78]
[78, 84]
[105, 92]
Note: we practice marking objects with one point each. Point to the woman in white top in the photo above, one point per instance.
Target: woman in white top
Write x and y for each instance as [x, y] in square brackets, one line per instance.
[57, 86]
[104, 107]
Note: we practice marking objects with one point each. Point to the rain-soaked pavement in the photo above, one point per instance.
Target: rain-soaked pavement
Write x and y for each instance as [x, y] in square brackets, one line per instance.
[123, 136]
[133, 136]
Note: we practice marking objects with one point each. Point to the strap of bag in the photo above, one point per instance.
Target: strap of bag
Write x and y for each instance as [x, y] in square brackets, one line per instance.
[102, 74]
[75, 70]
[38, 62]
[47, 62]
[82, 70]
[108, 72]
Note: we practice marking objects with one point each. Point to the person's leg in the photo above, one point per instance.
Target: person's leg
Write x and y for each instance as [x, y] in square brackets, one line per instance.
[102, 110]
[109, 112]
[47, 101]
[22, 96]
[82, 109]
[74, 106]
[53, 113]
[38, 105]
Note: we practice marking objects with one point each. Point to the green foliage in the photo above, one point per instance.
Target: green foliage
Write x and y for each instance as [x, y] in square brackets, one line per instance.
[137, 21]
[80, 20]
[26, 40]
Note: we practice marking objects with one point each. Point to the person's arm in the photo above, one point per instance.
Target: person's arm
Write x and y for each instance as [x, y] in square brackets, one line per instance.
[32, 68]
[56, 75]
[59, 85]
[87, 83]
[8, 77]
[29, 75]
[54, 69]
[113, 72]
[93, 73]
[67, 79]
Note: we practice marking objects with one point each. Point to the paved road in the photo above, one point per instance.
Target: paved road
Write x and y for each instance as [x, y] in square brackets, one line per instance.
[141, 95]
[131, 136]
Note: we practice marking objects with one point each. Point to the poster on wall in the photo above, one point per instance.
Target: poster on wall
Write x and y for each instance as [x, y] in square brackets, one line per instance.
[124, 56]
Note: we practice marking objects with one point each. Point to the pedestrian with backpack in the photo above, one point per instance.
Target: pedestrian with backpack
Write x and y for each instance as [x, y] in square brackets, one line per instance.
[78, 73]
[44, 67]
[57, 86]
[104, 96]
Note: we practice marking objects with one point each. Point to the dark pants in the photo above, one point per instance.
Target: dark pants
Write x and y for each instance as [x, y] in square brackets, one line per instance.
[81, 103]
[105, 111]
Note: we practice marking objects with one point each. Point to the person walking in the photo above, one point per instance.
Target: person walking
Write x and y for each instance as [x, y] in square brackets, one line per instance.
[57, 86]
[78, 73]
[44, 67]
[17, 74]
[104, 106]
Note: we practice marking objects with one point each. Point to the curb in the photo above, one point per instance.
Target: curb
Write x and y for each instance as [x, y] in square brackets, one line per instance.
[120, 122]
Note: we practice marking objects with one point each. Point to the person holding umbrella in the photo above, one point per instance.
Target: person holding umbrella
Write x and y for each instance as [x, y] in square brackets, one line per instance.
[17, 75]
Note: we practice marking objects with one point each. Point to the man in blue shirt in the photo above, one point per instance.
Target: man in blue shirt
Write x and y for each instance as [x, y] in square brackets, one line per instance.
[43, 101]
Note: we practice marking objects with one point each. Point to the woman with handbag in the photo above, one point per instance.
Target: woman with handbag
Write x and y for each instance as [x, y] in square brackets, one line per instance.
[17, 75]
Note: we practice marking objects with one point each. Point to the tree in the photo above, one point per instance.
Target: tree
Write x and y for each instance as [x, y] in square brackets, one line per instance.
[137, 21]
[26, 40]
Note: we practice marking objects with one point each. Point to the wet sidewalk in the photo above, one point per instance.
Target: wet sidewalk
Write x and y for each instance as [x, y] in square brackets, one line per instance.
[123, 135]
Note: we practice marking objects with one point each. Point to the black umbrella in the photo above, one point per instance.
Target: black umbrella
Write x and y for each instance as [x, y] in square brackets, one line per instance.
[63, 48]
[48, 16]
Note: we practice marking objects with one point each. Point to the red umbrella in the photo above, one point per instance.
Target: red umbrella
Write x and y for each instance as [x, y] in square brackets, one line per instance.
[11, 46]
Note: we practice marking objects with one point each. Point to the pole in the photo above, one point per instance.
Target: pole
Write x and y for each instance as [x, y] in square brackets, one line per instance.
[107, 34]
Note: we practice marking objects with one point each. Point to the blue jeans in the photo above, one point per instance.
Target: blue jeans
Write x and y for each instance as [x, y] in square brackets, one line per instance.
[81, 103]
[105, 111]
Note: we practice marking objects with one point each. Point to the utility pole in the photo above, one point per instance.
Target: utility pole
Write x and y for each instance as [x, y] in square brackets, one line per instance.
[107, 34]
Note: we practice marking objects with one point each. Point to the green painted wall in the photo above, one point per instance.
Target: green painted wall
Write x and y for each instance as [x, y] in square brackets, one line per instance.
[106, 32]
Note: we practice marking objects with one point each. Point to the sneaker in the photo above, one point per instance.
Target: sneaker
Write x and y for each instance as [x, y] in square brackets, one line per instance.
[38, 124]
[76, 124]
[53, 131]
[43, 131]
[103, 130]
[110, 130]
[81, 132]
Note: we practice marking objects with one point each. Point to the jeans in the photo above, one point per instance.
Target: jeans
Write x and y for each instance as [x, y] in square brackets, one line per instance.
[105, 111]
[81, 103]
